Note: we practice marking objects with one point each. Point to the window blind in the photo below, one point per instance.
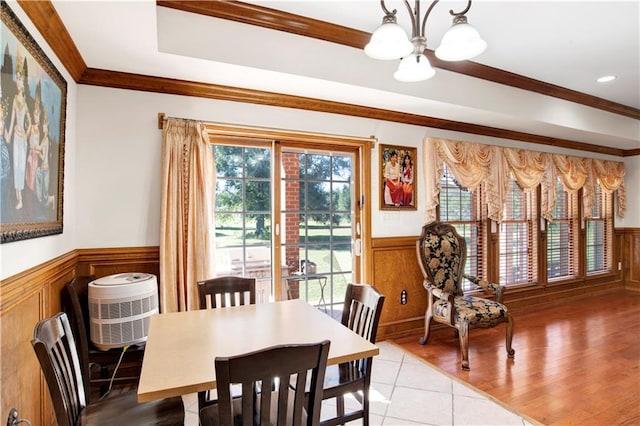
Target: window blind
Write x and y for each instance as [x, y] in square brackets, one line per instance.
[562, 236]
[463, 209]
[599, 231]
[518, 243]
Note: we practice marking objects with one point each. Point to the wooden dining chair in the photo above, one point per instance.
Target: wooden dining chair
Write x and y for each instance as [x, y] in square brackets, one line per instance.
[98, 367]
[226, 291]
[272, 369]
[56, 350]
[361, 313]
[221, 292]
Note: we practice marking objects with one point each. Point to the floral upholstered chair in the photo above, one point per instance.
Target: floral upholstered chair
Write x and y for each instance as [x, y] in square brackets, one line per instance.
[442, 253]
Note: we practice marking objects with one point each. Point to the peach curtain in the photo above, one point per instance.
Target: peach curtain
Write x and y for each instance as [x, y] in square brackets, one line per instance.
[187, 229]
[433, 169]
[530, 169]
[473, 165]
[572, 171]
[476, 165]
[611, 177]
[575, 173]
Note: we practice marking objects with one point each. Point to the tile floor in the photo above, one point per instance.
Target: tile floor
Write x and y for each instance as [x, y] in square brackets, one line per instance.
[407, 391]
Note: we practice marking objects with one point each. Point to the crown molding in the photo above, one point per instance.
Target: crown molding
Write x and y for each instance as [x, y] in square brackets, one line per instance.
[46, 20]
[121, 80]
[295, 24]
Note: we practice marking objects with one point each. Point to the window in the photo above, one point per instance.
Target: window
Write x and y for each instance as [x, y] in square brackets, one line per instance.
[599, 233]
[562, 236]
[243, 214]
[518, 242]
[285, 212]
[462, 208]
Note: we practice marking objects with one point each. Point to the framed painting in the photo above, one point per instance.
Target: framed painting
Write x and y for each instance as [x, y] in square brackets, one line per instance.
[398, 169]
[32, 129]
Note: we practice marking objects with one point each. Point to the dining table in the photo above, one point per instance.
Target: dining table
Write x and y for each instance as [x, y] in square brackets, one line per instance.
[181, 346]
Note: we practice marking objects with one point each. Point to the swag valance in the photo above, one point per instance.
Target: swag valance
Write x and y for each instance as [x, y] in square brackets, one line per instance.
[491, 167]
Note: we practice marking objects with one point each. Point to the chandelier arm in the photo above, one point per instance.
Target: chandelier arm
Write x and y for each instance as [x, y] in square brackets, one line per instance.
[385, 10]
[414, 25]
[426, 15]
[463, 12]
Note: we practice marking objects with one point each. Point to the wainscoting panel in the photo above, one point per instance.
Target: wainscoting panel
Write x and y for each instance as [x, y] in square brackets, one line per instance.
[396, 268]
[108, 261]
[27, 298]
[631, 258]
[20, 369]
[34, 294]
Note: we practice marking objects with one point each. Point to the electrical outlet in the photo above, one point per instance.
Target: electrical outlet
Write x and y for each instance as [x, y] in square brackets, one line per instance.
[619, 266]
[403, 297]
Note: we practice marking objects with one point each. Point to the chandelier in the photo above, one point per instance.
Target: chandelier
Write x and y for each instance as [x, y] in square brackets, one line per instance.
[390, 41]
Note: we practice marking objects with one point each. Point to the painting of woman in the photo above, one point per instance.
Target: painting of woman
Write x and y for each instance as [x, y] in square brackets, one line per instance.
[33, 97]
[397, 173]
[407, 181]
[393, 185]
[19, 125]
[42, 172]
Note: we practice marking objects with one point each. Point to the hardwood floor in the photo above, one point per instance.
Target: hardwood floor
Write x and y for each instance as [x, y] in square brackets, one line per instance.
[576, 363]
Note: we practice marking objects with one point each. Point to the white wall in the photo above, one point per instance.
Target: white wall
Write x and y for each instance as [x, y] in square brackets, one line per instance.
[632, 181]
[112, 167]
[21, 255]
[119, 156]
[112, 164]
[119, 148]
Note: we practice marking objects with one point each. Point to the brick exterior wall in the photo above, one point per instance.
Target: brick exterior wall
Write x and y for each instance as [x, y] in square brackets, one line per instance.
[291, 164]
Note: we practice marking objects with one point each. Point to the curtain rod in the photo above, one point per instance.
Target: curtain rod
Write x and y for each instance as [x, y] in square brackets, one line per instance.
[162, 117]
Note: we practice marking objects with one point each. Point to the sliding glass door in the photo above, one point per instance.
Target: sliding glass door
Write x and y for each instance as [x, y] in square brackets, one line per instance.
[317, 221]
[244, 189]
[312, 243]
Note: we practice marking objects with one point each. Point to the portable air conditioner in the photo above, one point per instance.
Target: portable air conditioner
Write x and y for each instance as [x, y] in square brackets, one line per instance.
[120, 307]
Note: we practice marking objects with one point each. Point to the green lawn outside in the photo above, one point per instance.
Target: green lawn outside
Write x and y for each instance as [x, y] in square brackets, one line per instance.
[318, 251]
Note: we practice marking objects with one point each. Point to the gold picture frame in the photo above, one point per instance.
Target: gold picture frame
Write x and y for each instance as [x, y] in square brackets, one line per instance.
[32, 136]
[398, 171]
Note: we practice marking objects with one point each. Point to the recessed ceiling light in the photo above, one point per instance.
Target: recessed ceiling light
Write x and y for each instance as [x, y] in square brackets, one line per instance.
[606, 78]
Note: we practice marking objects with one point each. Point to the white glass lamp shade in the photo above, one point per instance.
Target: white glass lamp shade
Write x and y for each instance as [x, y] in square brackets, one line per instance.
[415, 67]
[388, 42]
[461, 42]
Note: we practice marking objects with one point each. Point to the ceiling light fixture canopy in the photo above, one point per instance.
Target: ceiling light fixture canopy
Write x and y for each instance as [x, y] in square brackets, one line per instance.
[461, 42]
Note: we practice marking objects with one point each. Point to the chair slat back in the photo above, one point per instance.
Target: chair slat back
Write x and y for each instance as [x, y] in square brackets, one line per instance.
[221, 292]
[275, 369]
[226, 291]
[362, 310]
[361, 313]
[442, 253]
[56, 351]
[76, 294]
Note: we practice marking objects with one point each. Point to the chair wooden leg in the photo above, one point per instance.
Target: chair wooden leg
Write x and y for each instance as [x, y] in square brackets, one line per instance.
[427, 326]
[463, 330]
[510, 351]
[340, 406]
[365, 406]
